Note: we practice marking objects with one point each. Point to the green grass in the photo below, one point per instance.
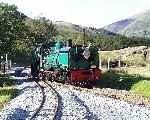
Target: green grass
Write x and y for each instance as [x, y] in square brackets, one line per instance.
[6, 94]
[8, 90]
[135, 77]
[122, 81]
[142, 88]
[7, 80]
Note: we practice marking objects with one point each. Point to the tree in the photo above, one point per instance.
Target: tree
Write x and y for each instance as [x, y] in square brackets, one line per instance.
[11, 27]
[41, 29]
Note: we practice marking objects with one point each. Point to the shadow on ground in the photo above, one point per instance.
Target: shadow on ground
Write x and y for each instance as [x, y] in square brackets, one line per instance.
[120, 81]
[88, 115]
[18, 114]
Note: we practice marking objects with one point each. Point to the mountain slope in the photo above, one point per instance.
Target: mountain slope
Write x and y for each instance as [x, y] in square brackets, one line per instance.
[138, 25]
[73, 28]
[117, 26]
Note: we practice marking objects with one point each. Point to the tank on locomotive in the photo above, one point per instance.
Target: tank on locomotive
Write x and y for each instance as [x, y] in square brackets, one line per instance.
[66, 63]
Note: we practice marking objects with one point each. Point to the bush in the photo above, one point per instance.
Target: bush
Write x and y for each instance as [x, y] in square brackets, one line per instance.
[113, 79]
[7, 80]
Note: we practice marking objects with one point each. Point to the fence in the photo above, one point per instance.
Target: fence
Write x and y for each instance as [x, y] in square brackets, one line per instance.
[132, 69]
[5, 65]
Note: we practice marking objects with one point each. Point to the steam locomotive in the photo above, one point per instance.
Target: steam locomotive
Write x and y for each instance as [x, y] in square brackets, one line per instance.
[56, 61]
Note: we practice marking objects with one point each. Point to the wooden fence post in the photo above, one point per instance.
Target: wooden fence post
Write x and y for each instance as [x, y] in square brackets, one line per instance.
[119, 63]
[108, 63]
[100, 64]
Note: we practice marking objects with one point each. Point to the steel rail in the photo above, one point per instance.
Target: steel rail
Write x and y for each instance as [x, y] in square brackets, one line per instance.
[58, 108]
[41, 104]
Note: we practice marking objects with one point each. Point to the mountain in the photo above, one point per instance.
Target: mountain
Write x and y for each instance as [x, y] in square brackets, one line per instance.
[138, 25]
[118, 26]
[61, 25]
[73, 28]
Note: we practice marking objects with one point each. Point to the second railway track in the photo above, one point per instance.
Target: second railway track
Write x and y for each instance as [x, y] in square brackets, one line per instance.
[49, 106]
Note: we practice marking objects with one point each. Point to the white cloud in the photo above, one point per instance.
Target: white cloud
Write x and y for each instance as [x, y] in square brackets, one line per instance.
[85, 12]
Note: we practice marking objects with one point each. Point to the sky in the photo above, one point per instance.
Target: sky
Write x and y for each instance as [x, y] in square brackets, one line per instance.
[91, 13]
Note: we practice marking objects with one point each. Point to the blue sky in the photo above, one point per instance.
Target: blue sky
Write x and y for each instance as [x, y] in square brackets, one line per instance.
[97, 13]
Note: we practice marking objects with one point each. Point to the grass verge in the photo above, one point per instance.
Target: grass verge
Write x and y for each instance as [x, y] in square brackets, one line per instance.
[7, 89]
[142, 88]
[6, 94]
[122, 81]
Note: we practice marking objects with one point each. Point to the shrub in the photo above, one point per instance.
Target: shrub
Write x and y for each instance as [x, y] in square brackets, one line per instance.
[7, 80]
[117, 80]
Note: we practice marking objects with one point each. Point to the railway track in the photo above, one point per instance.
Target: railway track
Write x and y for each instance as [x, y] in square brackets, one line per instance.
[64, 102]
[53, 111]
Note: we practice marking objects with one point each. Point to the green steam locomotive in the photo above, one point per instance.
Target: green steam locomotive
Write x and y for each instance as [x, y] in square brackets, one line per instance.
[57, 61]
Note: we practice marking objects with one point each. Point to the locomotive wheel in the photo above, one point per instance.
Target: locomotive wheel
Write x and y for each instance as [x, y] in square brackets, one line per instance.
[63, 82]
[46, 78]
[82, 84]
[94, 83]
[90, 85]
[49, 79]
[53, 78]
[75, 84]
[40, 76]
[68, 81]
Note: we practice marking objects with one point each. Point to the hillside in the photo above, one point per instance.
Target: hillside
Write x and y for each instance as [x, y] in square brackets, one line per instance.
[118, 26]
[138, 25]
[72, 28]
